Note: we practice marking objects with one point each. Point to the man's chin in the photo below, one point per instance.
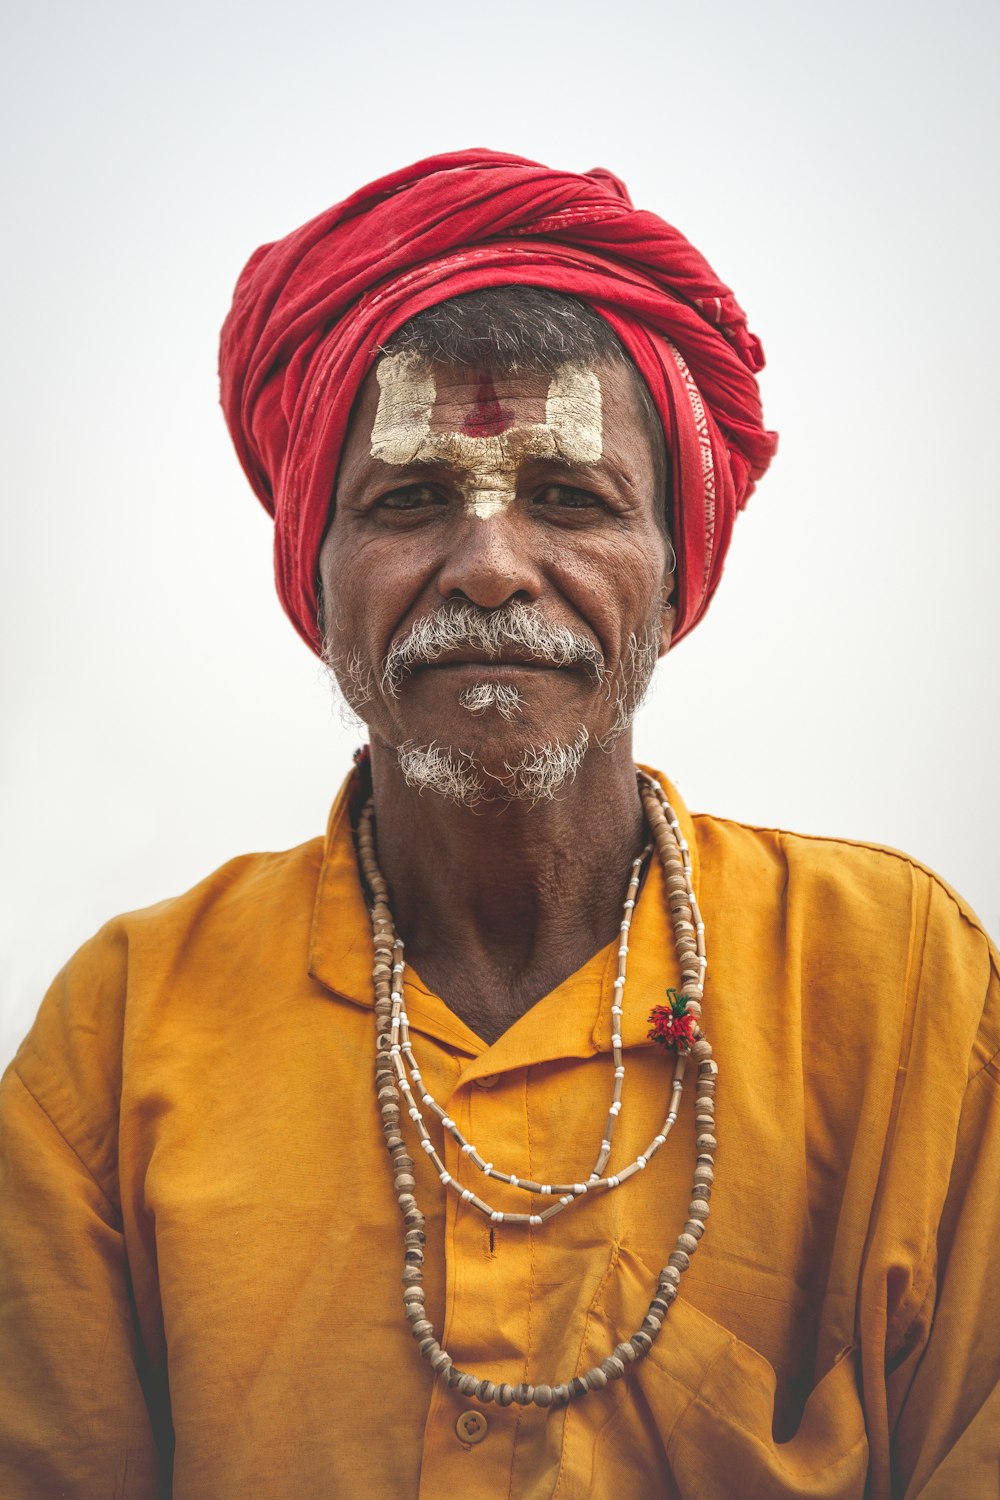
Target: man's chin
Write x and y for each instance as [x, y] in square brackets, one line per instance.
[525, 769]
[492, 743]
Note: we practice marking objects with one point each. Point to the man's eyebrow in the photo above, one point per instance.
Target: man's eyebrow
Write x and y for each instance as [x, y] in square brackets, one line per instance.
[411, 465]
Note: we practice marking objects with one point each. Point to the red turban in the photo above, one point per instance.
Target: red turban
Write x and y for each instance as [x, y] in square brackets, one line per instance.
[311, 311]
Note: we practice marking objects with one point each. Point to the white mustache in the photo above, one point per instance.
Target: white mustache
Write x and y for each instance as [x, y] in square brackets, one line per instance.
[462, 625]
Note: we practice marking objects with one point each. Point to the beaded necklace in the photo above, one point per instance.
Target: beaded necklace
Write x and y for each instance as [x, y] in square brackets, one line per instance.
[397, 1075]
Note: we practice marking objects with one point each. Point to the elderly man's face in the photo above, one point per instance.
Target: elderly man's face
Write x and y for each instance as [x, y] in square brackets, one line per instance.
[494, 571]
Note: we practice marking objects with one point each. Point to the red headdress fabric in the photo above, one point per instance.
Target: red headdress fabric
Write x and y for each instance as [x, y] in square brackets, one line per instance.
[311, 311]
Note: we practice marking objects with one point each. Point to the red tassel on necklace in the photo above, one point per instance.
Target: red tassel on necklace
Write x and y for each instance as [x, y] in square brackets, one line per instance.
[672, 1025]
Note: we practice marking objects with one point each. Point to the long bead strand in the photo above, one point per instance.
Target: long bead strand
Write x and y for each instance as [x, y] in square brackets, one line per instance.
[388, 981]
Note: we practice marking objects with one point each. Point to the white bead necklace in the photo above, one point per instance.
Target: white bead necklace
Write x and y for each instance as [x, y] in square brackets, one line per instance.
[404, 1063]
[392, 1032]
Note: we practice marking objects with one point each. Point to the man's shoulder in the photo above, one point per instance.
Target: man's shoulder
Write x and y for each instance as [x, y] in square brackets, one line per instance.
[144, 965]
[869, 871]
[259, 882]
[838, 907]
[233, 908]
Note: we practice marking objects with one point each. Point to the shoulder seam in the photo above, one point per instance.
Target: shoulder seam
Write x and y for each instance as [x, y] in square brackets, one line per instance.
[224, 877]
[67, 1143]
[843, 843]
[820, 838]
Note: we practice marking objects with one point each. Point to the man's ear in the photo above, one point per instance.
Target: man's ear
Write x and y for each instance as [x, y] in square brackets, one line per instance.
[668, 610]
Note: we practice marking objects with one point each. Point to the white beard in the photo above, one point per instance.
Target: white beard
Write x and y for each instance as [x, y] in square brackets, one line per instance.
[542, 770]
[538, 776]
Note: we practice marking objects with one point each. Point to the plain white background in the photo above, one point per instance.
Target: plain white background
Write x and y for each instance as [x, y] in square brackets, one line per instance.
[836, 163]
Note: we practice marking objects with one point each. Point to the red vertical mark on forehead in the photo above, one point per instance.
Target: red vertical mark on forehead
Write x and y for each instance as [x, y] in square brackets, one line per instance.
[486, 417]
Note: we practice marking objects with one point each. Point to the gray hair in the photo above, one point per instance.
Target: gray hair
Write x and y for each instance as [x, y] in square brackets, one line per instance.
[458, 624]
[540, 774]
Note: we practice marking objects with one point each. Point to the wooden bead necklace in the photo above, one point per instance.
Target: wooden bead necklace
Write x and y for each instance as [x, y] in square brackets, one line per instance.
[397, 1071]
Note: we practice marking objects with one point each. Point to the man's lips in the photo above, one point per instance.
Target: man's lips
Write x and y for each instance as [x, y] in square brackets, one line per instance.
[490, 666]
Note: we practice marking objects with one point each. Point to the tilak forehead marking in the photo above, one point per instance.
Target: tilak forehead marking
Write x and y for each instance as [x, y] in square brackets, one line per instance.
[487, 417]
[487, 456]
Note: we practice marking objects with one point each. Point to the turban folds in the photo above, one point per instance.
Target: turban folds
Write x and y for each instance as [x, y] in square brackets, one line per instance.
[311, 311]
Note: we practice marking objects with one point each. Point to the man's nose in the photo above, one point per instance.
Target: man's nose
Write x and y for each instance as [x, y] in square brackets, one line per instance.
[490, 563]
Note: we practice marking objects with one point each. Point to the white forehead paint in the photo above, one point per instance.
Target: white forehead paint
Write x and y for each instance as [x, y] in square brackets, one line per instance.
[488, 462]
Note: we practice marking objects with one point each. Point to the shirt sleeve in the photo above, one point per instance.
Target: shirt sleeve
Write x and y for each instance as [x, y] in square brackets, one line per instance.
[946, 1389]
[74, 1421]
[936, 1398]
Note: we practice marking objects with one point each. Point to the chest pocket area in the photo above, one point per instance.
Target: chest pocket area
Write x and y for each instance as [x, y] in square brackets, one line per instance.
[694, 1419]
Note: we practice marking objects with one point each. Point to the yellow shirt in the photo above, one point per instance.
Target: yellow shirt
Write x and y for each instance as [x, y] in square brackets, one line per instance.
[201, 1251]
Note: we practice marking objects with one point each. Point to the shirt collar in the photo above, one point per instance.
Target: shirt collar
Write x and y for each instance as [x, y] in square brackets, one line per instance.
[574, 1020]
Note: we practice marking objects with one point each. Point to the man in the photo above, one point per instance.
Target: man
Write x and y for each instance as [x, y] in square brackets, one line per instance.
[409, 1080]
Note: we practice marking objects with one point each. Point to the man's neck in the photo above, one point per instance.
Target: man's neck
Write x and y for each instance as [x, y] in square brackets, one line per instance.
[499, 903]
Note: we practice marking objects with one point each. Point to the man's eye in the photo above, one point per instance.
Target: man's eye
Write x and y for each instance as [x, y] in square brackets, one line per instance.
[413, 497]
[564, 497]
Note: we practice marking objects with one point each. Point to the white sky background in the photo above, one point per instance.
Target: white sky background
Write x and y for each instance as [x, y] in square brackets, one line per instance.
[836, 163]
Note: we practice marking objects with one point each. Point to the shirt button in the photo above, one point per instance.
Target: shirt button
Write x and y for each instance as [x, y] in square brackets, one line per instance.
[472, 1427]
[488, 1080]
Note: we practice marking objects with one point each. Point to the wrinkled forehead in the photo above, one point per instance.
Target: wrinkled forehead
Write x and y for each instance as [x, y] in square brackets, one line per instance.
[420, 403]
